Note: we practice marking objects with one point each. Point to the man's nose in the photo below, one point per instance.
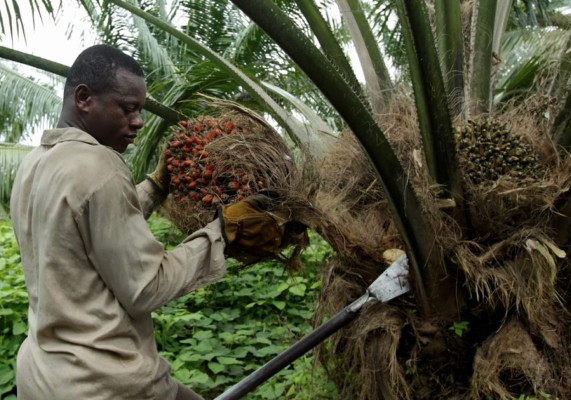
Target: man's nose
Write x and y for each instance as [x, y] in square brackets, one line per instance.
[137, 121]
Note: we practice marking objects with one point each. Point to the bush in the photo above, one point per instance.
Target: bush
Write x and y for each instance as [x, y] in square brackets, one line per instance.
[13, 309]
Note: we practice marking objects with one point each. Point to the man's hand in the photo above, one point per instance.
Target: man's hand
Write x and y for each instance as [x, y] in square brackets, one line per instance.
[160, 176]
[250, 231]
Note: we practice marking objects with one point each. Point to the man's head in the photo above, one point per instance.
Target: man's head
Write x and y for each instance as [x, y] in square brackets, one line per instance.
[104, 94]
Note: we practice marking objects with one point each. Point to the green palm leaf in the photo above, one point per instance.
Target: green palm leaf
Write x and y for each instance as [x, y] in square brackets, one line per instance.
[11, 156]
[26, 105]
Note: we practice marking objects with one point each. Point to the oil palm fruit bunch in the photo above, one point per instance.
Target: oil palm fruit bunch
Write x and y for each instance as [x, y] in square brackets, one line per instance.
[223, 158]
[489, 151]
[196, 176]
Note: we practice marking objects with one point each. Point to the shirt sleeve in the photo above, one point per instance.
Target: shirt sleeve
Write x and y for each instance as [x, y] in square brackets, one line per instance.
[134, 265]
[149, 197]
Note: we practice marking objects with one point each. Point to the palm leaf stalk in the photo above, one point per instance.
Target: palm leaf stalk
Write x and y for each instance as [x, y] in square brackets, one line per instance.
[431, 100]
[377, 78]
[328, 42]
[151, 105]
[296, 130]
[451, 46]
[481, 65]
[405, 206]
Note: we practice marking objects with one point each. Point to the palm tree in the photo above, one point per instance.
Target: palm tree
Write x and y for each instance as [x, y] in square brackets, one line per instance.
[461, 160]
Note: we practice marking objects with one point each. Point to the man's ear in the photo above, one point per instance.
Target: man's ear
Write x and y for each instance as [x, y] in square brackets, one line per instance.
[83, 97]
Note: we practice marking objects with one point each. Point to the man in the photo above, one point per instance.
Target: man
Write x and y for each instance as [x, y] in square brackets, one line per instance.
[94, 272]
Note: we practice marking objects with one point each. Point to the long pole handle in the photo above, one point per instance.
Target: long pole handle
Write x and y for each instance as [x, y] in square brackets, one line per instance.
[305, 344]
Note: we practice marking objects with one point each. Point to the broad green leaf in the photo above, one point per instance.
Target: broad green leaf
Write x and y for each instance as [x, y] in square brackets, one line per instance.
[198, 377]
[298, 290]
[228, 361]
[19, 327]
[215, 367]
[280, 305]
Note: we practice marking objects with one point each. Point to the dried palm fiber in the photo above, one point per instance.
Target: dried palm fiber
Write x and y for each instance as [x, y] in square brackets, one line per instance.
[504, 269]
[514, 176]
[509, 356]
[366, 350]
[351, 196]
[220, 159]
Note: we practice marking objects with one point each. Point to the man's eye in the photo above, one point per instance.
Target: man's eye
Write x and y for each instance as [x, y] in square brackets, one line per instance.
[130, 108]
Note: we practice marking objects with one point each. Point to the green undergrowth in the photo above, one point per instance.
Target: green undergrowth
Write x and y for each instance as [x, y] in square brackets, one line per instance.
[218, 335]
[212, 337]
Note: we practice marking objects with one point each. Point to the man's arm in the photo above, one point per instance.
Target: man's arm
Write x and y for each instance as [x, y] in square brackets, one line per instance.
[150, 197]
[142, 275]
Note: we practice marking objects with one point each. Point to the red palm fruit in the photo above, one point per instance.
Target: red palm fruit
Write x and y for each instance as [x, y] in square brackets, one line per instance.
[204, 154]
[207, 198]
[187, 162]
[228, 126]
[184, 123]
[175, 162]
[210, 136]
[175, 143]
[189, 140]
[186, 149]
[194, 196]
[192, 184]
[234, 185]
[175, 180]
[198, 127]
[170, 167]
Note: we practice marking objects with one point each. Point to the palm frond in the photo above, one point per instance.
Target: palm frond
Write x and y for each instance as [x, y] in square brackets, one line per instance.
[11, 156]
[530, 58]
[11, 15]
[26, 104]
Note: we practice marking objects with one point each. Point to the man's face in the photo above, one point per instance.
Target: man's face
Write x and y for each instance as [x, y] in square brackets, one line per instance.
[115, 116]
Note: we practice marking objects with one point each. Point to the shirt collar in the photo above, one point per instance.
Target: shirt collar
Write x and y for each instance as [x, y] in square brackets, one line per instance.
[51, 137]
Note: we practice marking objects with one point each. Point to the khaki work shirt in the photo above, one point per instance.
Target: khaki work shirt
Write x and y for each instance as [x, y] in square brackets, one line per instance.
[94, 273]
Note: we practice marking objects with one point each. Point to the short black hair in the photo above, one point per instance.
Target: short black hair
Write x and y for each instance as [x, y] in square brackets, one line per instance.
[97, 66]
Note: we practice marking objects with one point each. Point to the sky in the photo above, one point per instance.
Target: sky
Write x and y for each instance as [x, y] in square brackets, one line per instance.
[51, 39]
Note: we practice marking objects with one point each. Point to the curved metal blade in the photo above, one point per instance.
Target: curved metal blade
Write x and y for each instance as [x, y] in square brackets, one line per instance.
[393, 282]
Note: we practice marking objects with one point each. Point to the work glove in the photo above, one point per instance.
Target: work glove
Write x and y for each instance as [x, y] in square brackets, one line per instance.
[160, 176]
[250, 230]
